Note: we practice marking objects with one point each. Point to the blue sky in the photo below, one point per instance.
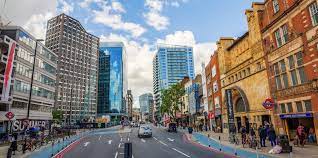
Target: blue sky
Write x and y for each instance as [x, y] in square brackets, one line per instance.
[140, 24]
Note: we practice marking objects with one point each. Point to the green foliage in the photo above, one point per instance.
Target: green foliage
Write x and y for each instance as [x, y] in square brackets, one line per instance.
[171, 99]
[57, 115]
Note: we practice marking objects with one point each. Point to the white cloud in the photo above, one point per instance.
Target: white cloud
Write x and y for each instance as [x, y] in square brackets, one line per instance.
[154, 16]
[65, 7]
[36, 25]
[118, 7]
[139, 59]
[86, 3]
[111, 17]
[201, 51]
[156, 20]
[18, 12]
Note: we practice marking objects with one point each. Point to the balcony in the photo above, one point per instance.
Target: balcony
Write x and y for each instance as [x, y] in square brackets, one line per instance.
[310, 87]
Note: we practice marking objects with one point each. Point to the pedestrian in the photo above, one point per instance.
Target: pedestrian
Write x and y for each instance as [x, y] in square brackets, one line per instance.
[272, 135]
[14, 144]
[262, 135]
[243, 134]
[311, 136]
[301, 134]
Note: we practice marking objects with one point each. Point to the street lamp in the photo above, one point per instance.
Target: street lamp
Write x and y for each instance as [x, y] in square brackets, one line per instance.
[32, 76]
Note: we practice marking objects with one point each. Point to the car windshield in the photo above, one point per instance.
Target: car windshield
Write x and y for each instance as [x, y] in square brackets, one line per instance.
[158, 78]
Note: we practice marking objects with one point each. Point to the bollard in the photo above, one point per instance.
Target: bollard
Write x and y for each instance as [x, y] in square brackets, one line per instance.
[128, 150]
[290, 155]
[220, 143]
[9, 154]
[235, 150]
[52, 148]
[257, 155]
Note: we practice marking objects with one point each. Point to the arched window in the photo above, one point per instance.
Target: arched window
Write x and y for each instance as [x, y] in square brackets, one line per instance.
[239, 106]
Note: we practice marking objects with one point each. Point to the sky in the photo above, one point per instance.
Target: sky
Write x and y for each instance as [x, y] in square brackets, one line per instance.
[140, 25]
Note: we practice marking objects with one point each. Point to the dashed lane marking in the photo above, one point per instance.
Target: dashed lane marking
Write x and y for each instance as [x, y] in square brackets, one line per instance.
[162, 143]
[180, 152]
[110, 142]
[121, 139]
[119, 145]
[128, 139]
[99, 137]
[116, 154]
[143, 140]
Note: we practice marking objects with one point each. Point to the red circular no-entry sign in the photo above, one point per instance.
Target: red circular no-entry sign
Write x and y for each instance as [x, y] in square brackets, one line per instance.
[9, 115]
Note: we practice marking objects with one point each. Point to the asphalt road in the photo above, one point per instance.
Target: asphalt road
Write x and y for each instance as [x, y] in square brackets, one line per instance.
[162, 145]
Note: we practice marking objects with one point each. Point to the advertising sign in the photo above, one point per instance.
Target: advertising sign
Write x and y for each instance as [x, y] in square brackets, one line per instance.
[21, 125]
[8, 69]
[230, 112]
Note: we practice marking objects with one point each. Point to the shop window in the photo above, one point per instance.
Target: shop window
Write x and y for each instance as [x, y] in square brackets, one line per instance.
[299, 106]
[308, 105]
[282, 108]
[290, 107]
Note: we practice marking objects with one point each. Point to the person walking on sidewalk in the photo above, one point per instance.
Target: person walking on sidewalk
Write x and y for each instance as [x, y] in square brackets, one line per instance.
[272, 135]
[243, 133]
[301, 134]
[311, 136]
[262, 135]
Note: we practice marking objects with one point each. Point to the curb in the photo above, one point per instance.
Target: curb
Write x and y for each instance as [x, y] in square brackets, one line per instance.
[61, 153]
[206, 147]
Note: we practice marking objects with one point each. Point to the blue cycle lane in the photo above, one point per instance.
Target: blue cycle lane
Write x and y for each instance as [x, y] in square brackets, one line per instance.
[49, 150]
[204, 140]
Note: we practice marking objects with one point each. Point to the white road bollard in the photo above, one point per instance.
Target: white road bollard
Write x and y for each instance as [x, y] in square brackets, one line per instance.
[235, 150]
[257, 156]
[290, 155]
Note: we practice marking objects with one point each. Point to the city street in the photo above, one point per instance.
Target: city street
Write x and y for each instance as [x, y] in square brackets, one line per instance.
[105, 144]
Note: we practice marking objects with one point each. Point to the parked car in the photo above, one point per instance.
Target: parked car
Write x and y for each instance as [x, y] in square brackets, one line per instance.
[172, 127]
[144, 131]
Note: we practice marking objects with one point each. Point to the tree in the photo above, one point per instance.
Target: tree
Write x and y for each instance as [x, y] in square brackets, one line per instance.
[171, 99]
[57, 115]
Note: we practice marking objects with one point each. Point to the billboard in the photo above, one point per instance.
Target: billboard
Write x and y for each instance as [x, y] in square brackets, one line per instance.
[8, 69]
[230, 112]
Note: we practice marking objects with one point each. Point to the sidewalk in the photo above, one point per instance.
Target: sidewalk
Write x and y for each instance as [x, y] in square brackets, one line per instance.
[202, 138]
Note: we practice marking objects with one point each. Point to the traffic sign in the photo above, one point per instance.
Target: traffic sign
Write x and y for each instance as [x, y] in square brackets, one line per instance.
[9, 115]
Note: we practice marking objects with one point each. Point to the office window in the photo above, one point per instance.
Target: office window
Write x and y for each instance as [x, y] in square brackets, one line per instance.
[301, 69]
[299, 106]
[278, 38]
[278, 81]
[290, 107]
[283, 73]
[313, 9]
[282, 108]
[275, 6]
[308, 105]
[213, 71]
[292, 70]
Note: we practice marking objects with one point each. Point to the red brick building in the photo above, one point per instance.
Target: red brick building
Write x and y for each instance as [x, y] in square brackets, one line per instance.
[290, 38]
[214, 93]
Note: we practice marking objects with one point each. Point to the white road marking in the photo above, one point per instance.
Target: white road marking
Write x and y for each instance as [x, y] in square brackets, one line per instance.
[143, 140]
[121, 153]
[155, 138]
[86, 143]
[119, 145]
[162, 143]
[110, 142]
[99, 137]
[180, 152]
[128, 139]
[171, 140]
[132, 156]
[121, 139]
[116, 154]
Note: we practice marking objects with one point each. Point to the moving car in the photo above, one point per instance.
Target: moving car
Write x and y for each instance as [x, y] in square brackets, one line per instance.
[144, 131]
[172, 127]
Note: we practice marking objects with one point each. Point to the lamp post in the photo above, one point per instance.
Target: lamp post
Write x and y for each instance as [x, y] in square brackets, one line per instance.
[32, 76]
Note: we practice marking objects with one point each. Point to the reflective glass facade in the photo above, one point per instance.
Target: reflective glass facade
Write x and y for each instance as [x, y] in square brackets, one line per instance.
[170, 65]
[111, 98]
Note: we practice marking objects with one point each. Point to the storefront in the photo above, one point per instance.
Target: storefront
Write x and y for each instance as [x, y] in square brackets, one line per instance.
[292, 121]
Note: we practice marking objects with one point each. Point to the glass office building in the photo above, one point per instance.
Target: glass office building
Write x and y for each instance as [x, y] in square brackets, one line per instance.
[112, 85]
[170, 65]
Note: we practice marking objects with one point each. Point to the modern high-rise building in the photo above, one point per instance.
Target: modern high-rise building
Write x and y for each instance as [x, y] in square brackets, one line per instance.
[77, 50]
[17, 51]
[113, 80]
[170, 65]
[146, 103]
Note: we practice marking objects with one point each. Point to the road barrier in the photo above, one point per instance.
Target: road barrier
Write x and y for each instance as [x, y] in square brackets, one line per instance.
[128, 150]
